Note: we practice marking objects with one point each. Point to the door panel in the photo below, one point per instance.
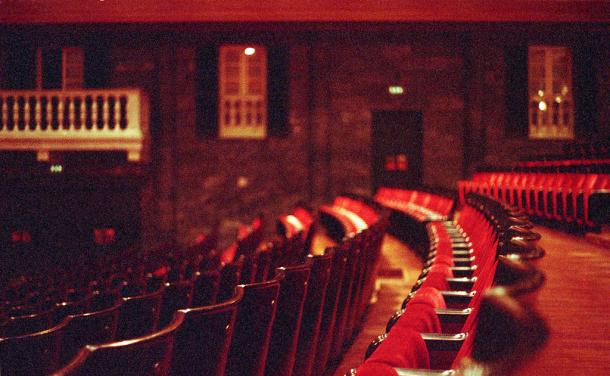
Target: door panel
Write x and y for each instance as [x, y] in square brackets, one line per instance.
[397, 149]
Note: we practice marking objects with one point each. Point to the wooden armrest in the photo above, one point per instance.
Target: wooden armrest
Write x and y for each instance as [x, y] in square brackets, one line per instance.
[462, 283]
[463, 271]
[453, 315]
[422, 372]
[458, 297]
[444, 342]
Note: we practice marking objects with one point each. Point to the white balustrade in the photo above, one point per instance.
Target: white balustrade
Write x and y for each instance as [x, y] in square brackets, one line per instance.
[77, 120]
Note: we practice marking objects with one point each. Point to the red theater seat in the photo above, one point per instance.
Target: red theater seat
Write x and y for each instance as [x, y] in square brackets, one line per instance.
[32, 354]
[177, 295]
[287, 322]
[250, 344]
[89, 328]
[312, 313]
[204, 338]
[139, 314]
[146, 355]
[331, 304]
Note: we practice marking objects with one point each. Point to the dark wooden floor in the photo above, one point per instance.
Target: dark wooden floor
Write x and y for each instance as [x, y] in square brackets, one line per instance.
[575, 300]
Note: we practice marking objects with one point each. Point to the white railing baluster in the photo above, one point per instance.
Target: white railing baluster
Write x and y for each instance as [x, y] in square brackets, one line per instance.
[15, 113]
[117, 113]
[37, 115]
[60, 113]
[93, 113]
[71, 123]
[129, 106]
[106, 113]
[26, 113]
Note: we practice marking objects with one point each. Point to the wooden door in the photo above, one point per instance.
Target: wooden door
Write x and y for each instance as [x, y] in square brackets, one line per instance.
[397, 149]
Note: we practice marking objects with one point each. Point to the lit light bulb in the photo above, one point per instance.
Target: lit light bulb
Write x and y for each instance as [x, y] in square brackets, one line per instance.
[540, 93]
[249, 51]
[558, 99]
[542, 106]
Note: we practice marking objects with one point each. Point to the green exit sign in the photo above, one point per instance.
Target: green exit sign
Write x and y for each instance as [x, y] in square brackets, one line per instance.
[396, 90]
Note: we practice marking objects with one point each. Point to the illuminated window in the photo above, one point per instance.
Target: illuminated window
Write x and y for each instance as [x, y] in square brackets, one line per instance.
[551, 106]
[243, 92]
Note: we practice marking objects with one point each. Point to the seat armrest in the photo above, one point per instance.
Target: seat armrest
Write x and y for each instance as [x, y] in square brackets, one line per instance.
[461, 246]
[458, 297]
[463, 252]
[463, 261]
[453, 315]
[455, 253]
[422, 372]
[463, 271]
[443, 342]
[462, 283]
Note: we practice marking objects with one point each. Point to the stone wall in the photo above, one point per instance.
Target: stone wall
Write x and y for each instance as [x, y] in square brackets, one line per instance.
[337, 77]
[336, 81]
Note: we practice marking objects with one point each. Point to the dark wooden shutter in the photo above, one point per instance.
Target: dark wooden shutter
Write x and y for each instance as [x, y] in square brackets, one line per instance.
[97, 66]
[21, 67]
[51, 68]
[207, 93]
[585, 90]
[277, 91]
[515, 61]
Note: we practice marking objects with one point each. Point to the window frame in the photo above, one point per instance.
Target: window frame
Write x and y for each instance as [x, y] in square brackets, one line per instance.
[242, 114]
[550, 115]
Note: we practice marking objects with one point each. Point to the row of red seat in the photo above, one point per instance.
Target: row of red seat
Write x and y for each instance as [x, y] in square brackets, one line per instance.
[560, 197]
[569, 165]
[433, 284]
[346, 216]
[422, 206]
[300, 310]
[436, 327]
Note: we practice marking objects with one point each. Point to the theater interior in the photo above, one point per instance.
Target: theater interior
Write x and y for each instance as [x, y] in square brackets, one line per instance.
[309, 188]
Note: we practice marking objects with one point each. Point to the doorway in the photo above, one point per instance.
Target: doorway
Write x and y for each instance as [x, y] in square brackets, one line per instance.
[397, 149]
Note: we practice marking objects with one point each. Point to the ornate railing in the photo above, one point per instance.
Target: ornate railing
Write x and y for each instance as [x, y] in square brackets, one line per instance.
[79, 120]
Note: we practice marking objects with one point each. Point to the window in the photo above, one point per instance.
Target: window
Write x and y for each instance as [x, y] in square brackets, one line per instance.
[60, 68]
[242, 92]
[551, 106]
[232, 84]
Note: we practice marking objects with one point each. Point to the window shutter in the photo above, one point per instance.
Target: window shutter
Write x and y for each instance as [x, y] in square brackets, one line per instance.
[72, 71]
[277, 86]
[515, 62]
[97, 67]
[51, 68]
[585, 90]
[21, 67]
[207, 93]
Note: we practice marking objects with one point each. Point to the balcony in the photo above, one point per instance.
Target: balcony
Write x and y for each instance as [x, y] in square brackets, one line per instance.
[47, 121]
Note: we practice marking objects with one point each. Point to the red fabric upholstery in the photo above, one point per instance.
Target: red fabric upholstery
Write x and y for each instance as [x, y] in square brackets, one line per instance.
[437, 277]
[403, 348]
[430, 296]
[376, 369]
